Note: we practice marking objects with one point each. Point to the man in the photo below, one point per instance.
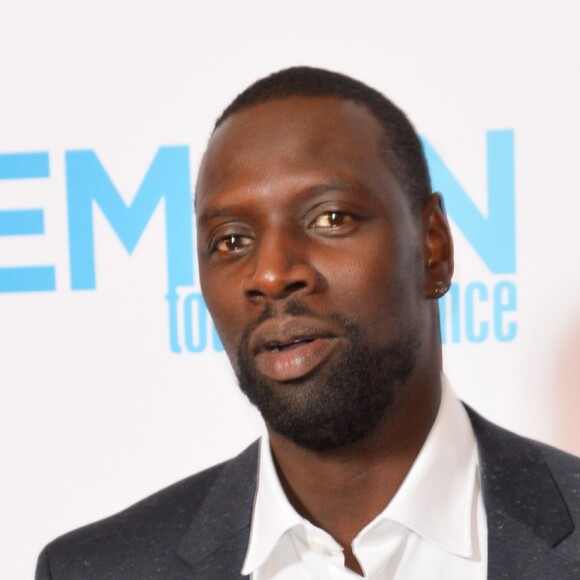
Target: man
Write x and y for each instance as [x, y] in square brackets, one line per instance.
[322, 253]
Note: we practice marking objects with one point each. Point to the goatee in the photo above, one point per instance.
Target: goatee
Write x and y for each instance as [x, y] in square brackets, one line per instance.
[338, 404]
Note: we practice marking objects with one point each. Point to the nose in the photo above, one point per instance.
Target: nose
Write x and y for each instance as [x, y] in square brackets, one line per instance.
[281, 268]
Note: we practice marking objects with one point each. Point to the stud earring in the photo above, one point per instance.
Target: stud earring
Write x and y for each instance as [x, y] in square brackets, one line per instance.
[440, 288]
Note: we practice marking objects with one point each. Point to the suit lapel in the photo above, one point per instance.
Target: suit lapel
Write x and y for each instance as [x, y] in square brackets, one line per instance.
[526, 514]
[216, 542]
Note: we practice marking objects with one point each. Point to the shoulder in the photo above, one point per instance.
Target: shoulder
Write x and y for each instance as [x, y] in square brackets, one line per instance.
[499, 444]
[531, 493]
[519, 467]
[565, 469]
[146, 533]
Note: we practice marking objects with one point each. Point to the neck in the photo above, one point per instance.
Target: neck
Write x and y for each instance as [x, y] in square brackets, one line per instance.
[343, 490]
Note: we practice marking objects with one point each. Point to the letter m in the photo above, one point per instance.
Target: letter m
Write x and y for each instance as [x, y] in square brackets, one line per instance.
[493, 236]
[88, 185]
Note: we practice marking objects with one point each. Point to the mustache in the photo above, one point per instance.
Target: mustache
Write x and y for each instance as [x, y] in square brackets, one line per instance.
[292, 307]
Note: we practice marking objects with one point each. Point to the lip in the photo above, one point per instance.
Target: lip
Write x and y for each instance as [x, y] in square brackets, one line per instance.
[289, 348]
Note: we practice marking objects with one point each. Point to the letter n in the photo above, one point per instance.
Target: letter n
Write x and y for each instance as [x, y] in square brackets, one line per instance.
[493, 236]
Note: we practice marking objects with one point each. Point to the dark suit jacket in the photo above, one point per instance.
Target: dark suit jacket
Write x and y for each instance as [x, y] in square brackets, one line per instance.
[199, 528]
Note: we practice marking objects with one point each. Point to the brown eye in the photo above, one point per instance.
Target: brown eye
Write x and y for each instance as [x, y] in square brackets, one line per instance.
[232, 243]
[331, 219]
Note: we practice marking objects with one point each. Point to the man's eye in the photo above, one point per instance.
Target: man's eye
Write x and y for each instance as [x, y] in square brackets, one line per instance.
[231, 243]
[331, 219]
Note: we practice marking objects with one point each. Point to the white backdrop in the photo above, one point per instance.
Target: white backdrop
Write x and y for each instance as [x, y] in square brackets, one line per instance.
[96, 408]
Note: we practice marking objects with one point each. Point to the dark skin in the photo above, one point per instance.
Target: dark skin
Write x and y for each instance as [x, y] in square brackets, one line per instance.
[296, 202]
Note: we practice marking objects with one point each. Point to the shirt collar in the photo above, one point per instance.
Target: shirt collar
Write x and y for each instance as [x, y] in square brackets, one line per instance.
[435, 500]
[273, 514]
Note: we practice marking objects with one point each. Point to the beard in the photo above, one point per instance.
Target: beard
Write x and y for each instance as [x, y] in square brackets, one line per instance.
[338, 404]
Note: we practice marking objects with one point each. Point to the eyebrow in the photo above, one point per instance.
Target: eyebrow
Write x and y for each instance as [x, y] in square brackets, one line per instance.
[220, 212]
[318, 189]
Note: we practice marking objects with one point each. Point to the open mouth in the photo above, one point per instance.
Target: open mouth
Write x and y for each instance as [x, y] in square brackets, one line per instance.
[277, 347]
[292, 360]
[286, 348]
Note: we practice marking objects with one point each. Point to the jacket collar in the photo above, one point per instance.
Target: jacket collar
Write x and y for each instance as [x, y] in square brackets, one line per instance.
[216, 542]
[526, 514]
[522, 529]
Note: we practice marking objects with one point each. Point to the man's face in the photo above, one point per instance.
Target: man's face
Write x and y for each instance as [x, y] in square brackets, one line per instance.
[311, 265]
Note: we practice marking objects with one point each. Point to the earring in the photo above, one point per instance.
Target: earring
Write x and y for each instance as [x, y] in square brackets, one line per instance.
[440, 288]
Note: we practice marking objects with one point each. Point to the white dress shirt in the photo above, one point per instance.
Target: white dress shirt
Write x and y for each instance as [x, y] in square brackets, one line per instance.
[434, 528]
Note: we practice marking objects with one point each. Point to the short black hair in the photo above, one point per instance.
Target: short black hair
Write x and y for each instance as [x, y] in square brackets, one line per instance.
[402, 147]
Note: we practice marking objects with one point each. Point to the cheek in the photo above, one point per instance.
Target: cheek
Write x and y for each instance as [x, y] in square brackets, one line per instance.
[364, 271]
[375, 286]
[223, 306]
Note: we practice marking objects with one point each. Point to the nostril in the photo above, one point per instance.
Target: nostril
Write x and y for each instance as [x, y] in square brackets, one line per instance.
[278, 280]
[294, 286]
[252, 293]
[280, 291]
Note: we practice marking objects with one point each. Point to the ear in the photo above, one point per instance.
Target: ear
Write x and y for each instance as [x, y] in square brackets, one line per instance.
[437, 248]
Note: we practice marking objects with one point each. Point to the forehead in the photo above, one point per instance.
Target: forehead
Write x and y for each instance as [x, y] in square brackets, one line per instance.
[290, 135]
